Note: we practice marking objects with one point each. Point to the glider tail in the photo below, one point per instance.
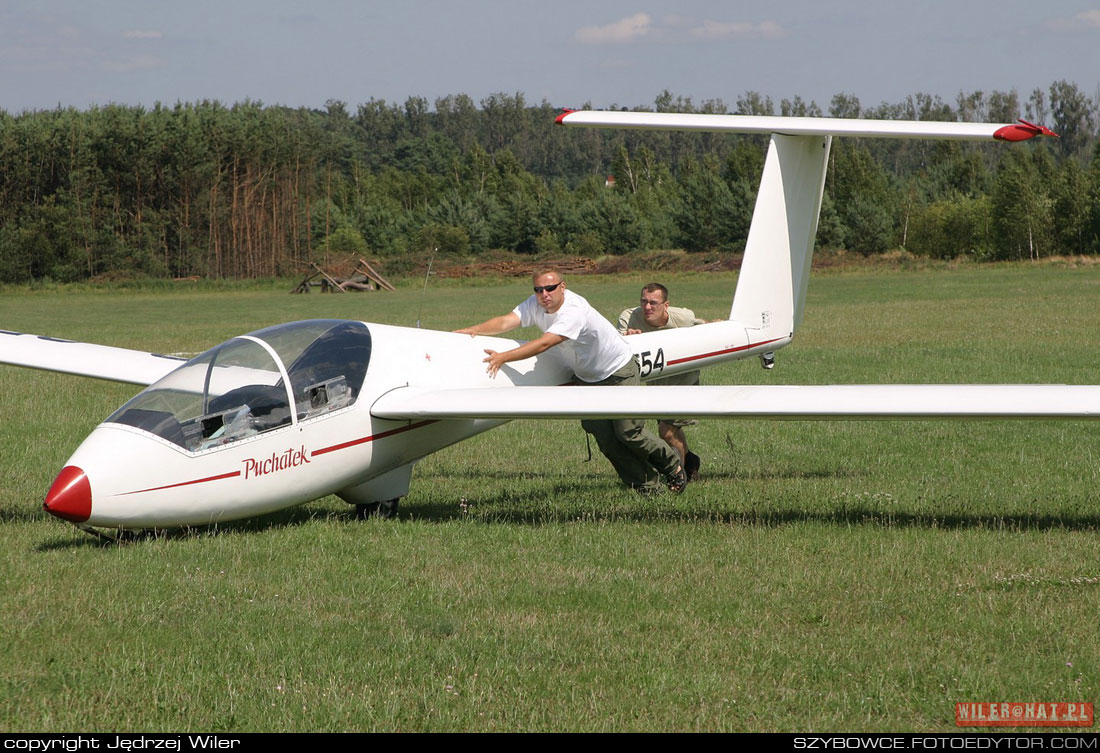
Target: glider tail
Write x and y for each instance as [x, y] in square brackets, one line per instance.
[771, 290]
[771, 287]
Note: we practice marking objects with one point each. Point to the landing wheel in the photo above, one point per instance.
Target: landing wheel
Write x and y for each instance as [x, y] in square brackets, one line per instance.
[117, 535]
[387, 509]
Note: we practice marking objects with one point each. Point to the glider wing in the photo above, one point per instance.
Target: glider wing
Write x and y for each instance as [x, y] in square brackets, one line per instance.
[854, 402]
[84, 359]
[767, 124]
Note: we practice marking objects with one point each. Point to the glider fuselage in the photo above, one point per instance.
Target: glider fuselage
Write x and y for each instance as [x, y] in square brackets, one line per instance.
[215, 460]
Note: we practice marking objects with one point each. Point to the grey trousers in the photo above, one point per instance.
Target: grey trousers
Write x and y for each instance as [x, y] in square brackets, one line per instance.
[638, 456]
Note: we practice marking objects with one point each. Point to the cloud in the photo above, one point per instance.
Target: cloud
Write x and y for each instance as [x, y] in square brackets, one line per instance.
[618, 64]
[675, 28]
[722, 30]
[628, 29]
[132, 64]
[1088, 19]
[43, 44]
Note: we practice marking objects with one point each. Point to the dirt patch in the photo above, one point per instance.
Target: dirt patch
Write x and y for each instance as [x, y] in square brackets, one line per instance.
[501, 264]
[656, 261]
[517, 267]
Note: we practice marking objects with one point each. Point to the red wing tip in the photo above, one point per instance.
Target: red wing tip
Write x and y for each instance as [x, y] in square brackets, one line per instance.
[1022, 131]
[561, 118]
[70, 496]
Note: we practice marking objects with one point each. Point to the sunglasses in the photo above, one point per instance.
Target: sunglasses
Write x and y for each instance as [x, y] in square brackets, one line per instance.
[546, 288]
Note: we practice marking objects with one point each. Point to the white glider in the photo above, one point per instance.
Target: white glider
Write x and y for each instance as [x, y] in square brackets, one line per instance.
[298, 411]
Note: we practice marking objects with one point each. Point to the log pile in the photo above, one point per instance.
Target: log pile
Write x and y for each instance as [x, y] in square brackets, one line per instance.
[520, 268]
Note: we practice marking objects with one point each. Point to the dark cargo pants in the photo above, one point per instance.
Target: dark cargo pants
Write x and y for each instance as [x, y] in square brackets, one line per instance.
[638, 456]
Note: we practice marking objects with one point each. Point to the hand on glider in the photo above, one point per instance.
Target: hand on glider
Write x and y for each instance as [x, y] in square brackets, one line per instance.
[495, 361]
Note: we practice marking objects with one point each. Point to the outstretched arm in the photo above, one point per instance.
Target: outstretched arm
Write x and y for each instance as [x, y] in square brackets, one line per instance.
[495, 326]
[528, 349]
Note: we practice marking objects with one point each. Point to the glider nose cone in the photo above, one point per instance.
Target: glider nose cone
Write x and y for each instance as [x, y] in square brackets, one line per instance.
[70, 497]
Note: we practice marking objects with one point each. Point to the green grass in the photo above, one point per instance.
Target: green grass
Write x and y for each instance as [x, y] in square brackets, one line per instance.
[825, 576]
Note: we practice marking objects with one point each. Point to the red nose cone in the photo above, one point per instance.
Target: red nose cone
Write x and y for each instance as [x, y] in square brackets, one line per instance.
[70, 497]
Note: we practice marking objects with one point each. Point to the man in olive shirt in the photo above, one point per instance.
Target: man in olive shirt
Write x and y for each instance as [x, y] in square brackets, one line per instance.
[653, 314]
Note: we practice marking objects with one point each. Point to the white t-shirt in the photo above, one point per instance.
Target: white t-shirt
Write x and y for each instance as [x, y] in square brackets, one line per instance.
[593, 348]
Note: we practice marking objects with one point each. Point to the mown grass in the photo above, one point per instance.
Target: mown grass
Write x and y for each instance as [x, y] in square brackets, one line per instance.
[823, 576]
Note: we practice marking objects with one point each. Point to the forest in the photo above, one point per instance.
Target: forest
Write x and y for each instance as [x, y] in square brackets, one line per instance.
[248, 190]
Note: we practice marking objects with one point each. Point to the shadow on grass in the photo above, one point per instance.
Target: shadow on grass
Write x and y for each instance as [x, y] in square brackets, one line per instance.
[553, 507]
[779, 518]
[290, 518]
[478, 474]
[755, 475]
[475, 474]
[549, 509]
[871, 517]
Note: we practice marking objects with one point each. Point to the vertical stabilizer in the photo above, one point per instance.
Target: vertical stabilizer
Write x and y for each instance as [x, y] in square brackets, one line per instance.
[771, 288]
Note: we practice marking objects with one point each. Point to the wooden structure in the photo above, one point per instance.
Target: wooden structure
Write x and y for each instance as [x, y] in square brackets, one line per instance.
[364, 277]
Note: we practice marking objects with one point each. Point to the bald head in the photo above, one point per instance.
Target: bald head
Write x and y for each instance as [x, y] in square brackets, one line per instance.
[549, 290]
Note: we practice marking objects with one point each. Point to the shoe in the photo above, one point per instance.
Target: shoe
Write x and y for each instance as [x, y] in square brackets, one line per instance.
[691, 466]
[677, 480]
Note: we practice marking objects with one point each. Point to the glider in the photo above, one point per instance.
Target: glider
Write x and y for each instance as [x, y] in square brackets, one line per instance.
[301, 410]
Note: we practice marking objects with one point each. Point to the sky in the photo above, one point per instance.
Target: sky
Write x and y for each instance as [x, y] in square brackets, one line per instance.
[567, 52]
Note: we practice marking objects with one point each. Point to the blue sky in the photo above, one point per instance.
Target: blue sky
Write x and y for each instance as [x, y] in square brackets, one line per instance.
[568, 52]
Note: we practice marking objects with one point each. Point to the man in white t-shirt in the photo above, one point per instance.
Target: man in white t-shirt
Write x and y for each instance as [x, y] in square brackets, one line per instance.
[598, 354]
[654, 314]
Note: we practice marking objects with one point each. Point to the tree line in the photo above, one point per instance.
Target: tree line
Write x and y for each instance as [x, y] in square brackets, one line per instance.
[248, 190]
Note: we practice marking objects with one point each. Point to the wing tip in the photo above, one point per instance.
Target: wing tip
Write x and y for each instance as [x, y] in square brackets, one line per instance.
[1022, 131]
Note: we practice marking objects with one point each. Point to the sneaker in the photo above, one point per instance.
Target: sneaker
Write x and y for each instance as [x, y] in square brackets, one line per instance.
[677, 480]
[691, 466]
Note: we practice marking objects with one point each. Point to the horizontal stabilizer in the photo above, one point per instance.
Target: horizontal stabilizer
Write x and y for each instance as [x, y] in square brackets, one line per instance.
[84, 359]
[850, 401]
[888, 129]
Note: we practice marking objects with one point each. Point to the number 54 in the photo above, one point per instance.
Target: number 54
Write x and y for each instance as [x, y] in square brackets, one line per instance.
[657, 363]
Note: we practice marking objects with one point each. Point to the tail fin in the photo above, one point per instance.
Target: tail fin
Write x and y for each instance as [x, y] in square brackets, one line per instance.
[771, 288]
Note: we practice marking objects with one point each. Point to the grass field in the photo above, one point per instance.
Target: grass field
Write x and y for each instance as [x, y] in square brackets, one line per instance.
[825, 576]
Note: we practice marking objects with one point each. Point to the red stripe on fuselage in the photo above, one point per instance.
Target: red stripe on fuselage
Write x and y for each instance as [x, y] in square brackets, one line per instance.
[419, 424]
[688, 359]
[185, 483]
[371, 438]
[315, 453]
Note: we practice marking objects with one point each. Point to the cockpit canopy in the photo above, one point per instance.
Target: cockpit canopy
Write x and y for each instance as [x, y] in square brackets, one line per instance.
[246, 386]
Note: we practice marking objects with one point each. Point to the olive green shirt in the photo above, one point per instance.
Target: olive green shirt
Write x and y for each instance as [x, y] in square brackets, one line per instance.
[677, 317]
